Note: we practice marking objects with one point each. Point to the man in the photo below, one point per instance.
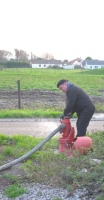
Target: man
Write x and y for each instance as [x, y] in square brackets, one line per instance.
[77, 101]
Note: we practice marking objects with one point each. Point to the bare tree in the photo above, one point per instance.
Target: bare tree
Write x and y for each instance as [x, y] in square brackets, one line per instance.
[47, 56]
[33, 57]
[16, 54]
[21, 55]
[4, 55]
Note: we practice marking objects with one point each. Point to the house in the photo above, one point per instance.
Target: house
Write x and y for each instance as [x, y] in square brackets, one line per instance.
[41, 63]
[71, 64]
[45, 63]
[93, 64]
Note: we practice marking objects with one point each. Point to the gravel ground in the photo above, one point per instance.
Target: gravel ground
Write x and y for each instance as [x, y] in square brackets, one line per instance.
[43, 192]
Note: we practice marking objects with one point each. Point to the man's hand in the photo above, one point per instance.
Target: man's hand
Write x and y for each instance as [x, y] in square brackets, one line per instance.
[62, 116]
[69, 115]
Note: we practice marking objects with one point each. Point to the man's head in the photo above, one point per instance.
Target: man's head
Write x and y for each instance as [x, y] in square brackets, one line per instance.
[62, 85]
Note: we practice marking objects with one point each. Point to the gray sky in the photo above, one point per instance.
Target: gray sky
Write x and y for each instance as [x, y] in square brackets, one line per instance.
[64, 28]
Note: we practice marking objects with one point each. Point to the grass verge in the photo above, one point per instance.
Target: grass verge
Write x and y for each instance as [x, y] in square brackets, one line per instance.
[39, 113]
[45, 167]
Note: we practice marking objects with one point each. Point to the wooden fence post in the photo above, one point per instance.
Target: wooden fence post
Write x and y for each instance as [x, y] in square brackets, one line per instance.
[19, 95]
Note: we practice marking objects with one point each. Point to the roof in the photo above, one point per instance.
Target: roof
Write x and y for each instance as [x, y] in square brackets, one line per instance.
[93, 62]
[73, 61]
[42, 61]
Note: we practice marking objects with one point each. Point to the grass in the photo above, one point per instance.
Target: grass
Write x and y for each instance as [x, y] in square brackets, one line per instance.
[38, 113]
[48, 78]
[50, 113]
[14, 191]
[45, 167]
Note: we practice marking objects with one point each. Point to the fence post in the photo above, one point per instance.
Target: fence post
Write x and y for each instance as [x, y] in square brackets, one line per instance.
[19, 95]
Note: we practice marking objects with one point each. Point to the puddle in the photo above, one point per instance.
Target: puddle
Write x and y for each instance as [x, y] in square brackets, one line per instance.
[98, 116]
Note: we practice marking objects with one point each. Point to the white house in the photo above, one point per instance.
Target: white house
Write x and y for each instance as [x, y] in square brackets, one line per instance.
[71, 64]
[45, 63]
[93, 64]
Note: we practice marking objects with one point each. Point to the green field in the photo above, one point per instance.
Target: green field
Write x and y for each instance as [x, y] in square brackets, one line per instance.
[91, 81]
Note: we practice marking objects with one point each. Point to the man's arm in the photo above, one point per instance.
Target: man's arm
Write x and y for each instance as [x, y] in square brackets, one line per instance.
[71, 99]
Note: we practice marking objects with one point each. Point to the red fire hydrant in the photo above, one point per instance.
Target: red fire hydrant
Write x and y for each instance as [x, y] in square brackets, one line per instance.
[69, 143]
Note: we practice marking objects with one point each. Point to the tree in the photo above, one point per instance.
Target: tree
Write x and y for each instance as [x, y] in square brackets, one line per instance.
[4, 55]
[33, 57]
[16, 54]
[47, 56]
[65, 61]
[21, 55]
[88, 58]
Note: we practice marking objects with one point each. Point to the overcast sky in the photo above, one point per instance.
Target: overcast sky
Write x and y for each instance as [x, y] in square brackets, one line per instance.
[67, 29]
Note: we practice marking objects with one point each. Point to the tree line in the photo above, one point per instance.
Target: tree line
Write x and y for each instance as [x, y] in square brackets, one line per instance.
[22, 59]
[21, 55]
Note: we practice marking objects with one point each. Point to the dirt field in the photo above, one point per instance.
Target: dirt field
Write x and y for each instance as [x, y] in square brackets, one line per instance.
[37, 98]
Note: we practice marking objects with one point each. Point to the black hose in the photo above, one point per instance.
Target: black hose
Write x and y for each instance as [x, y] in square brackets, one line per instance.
[3, 167]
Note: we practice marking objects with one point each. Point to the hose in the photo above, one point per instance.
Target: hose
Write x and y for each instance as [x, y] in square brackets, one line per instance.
[3, 167]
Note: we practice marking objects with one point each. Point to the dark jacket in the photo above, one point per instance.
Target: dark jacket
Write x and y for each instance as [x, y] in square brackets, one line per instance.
[77, 100]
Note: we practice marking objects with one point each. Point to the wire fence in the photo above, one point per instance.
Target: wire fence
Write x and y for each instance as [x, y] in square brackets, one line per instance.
[11, 99]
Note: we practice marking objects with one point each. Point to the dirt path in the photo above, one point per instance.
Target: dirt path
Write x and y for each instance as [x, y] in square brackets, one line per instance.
[41, 127]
